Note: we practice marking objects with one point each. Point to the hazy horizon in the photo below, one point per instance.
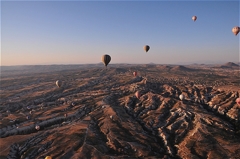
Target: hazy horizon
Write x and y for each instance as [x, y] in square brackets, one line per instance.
[80, 32]
[180, 63]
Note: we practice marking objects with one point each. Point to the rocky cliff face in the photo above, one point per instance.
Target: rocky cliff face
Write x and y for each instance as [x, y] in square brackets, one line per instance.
[100, 117]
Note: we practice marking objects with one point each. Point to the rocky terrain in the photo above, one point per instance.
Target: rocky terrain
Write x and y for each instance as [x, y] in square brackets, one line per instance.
[95, 113]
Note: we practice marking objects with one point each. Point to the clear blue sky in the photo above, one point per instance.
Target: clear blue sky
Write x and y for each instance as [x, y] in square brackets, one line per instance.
[79, 32]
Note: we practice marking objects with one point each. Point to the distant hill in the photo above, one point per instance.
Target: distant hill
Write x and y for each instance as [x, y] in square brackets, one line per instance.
[181, 68]
[117, 70]
[164, 67]
[228, 65]
[150, 65]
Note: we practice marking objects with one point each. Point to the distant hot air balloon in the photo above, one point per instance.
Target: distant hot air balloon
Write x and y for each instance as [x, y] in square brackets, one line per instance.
[235, 30]
[194, 18]
[106, 59]
[134, 73]
[111, 117]
[138, 94]
[48, 157]
[238, 101]
[181, 97]
[146, 48]
[37, 127]
[59, 83]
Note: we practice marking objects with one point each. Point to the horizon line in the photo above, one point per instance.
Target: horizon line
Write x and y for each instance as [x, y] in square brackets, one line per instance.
[180, 63]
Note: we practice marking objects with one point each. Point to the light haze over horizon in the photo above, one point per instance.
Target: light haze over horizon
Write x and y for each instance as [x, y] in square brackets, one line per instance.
[80, 32]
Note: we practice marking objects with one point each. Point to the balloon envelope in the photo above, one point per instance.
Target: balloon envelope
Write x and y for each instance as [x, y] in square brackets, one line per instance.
[194, 18]
[37, 127]
[138, 94]
[59, 83]
[181, 97]
[238, 101]
[106, 59]
[135, 74]
[235, 30]
[146, 48]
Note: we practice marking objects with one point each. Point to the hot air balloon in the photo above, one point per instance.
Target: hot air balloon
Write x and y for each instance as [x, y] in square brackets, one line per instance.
[138, 94]
[146, 48]
[48, 157]
[238, 101]
[194, 18]
[37, 127]
[106, 59]
[134, 74]
[235, 30]
[59, 83]
[181, 97]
